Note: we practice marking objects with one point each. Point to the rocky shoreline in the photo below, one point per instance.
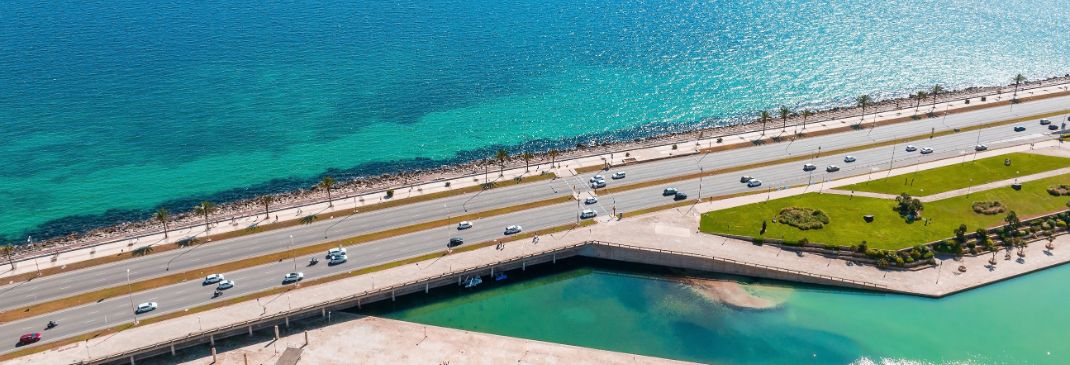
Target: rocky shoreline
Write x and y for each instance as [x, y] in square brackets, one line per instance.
[584, 146]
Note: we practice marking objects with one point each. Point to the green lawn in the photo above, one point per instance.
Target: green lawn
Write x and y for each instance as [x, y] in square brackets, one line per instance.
[961, 175]
[888, 230]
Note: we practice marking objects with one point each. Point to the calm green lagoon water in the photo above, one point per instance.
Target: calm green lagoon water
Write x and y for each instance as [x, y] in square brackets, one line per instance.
[606, 306]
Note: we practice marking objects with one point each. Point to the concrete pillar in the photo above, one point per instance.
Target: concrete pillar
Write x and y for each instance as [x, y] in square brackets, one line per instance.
[524, 265]
[427, 288]
[328, 317]
[287, 319]
[358, 303]
[555, 258]
[492, 272]
[276, 332]
[132, 360]
[392, 298]
[172, 349]
[323, 312]
[250, 330]
[213, 355]
[211, 339]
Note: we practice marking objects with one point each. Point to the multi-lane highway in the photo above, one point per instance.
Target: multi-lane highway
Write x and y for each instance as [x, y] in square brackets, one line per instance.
[176, 297]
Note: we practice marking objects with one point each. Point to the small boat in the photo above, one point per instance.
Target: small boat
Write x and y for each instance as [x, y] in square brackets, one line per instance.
[472, 282]
[501, 276]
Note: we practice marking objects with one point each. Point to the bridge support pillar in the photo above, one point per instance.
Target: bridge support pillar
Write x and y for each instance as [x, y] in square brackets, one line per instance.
[323, 312]
[492, 272]
[555, 258]
[132, 360]
[211, 340]
[172, 349]
[287, 319]
[276, 332]
[250, 330]
[392, 298]
[427, 288]
[524, 265]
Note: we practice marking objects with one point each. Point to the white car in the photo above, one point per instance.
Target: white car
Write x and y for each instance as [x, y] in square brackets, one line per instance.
[926, 151]
[514, 229]
[338, 259]
[588, 213]
[212, 279]
[598, 184]
[598, 177]
[848, 159]
[294, 276]
[591, 200]
[225, 284]
[146, 307]
[806, 167]
[832, 168]
[336, 251]
[618, 175]
[1045, 122]
[752, 183]
[464, 225]
[911, 148]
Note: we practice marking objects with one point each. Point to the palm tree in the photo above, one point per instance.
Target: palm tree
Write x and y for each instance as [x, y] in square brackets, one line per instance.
[502, 155]
[921, 95]
[163, 216]
[936, 91]
[553, 157]
[205, 208]
[1017, 81]
[527, 160]
[784, 113]
[765, 117]
[806, 113]
[863, 101]
[266, 200]
[327, 183]
[9, 252]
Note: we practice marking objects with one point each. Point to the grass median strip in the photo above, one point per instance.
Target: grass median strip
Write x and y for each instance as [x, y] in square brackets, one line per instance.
[283, 289]
[273, 226]
[119, 290]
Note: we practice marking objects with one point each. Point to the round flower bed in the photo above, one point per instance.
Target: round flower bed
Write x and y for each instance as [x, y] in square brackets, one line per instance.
[1059, 190]
[803, 218]
[988, 207]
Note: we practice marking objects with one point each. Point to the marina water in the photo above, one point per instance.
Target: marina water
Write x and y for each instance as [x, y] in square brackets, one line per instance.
[109, 110]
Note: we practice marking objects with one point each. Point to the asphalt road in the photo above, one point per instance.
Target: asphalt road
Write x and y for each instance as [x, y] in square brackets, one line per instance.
[117, 310]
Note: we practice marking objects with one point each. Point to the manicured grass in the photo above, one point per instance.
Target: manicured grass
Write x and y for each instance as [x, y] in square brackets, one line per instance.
[888, 230]
[961, 175]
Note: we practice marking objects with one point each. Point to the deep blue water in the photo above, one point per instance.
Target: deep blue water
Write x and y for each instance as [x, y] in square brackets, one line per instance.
[109, 109]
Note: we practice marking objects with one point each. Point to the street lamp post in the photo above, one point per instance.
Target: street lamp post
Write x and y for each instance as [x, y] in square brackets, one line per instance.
[130, 295]
[292, 253]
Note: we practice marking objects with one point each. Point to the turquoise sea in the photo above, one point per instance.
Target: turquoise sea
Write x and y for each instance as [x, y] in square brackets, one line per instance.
[110, 109]
[609, 306]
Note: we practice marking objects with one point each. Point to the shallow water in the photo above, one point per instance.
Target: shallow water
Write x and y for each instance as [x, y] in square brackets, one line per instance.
[108, 110]
[614, 307]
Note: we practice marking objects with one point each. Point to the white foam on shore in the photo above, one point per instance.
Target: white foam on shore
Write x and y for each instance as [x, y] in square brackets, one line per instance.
[902, 361]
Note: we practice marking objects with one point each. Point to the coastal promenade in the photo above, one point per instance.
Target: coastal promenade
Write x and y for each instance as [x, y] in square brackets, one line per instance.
[668, 236]
[115, 244]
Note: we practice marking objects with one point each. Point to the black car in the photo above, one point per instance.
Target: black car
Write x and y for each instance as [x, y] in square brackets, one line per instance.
[1019, 128]
[745, 179]
[1052, 127]
[679, 196]
[456, 241]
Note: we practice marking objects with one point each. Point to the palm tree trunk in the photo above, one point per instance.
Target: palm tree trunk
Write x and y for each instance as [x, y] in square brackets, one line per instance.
[330, 202]
[165, 229]
[206, 222]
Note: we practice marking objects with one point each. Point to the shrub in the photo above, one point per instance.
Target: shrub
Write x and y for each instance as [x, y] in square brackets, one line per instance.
[803, 218]
[862, 247]
[390, 193]
[758, 241]
[882, 263]
[719, 139]
[674, 146]
[1059, 190]
[447, 184]
[804, 241]
[988, 207]
[899, 261]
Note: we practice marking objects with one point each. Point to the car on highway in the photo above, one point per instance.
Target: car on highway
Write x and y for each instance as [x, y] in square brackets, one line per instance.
[679, 196]
[588, 213]
[1052, 127]
[754, 183]
[225, 284]
[591, 200]
[618, 175]
[1045, 122]
[146, 307]
[464, 225]
[598, 184]
[455, 241]
[832, 168]
[336, 251]
[292, 277]
[29, 338]
[598, 177]
[809, 167]
[980, 147]
[212, 279]
[849, 159]
[911, 148]
[513, 229]
[338, 259]
[668, 191]
[926, 151]
[745, 178]
[1019, 128]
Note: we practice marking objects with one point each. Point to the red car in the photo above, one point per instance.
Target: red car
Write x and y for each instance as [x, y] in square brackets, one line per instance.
[29, 338]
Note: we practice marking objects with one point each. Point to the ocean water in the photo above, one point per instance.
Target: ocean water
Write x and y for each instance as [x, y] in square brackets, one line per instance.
[608, 306]
[110, 109]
